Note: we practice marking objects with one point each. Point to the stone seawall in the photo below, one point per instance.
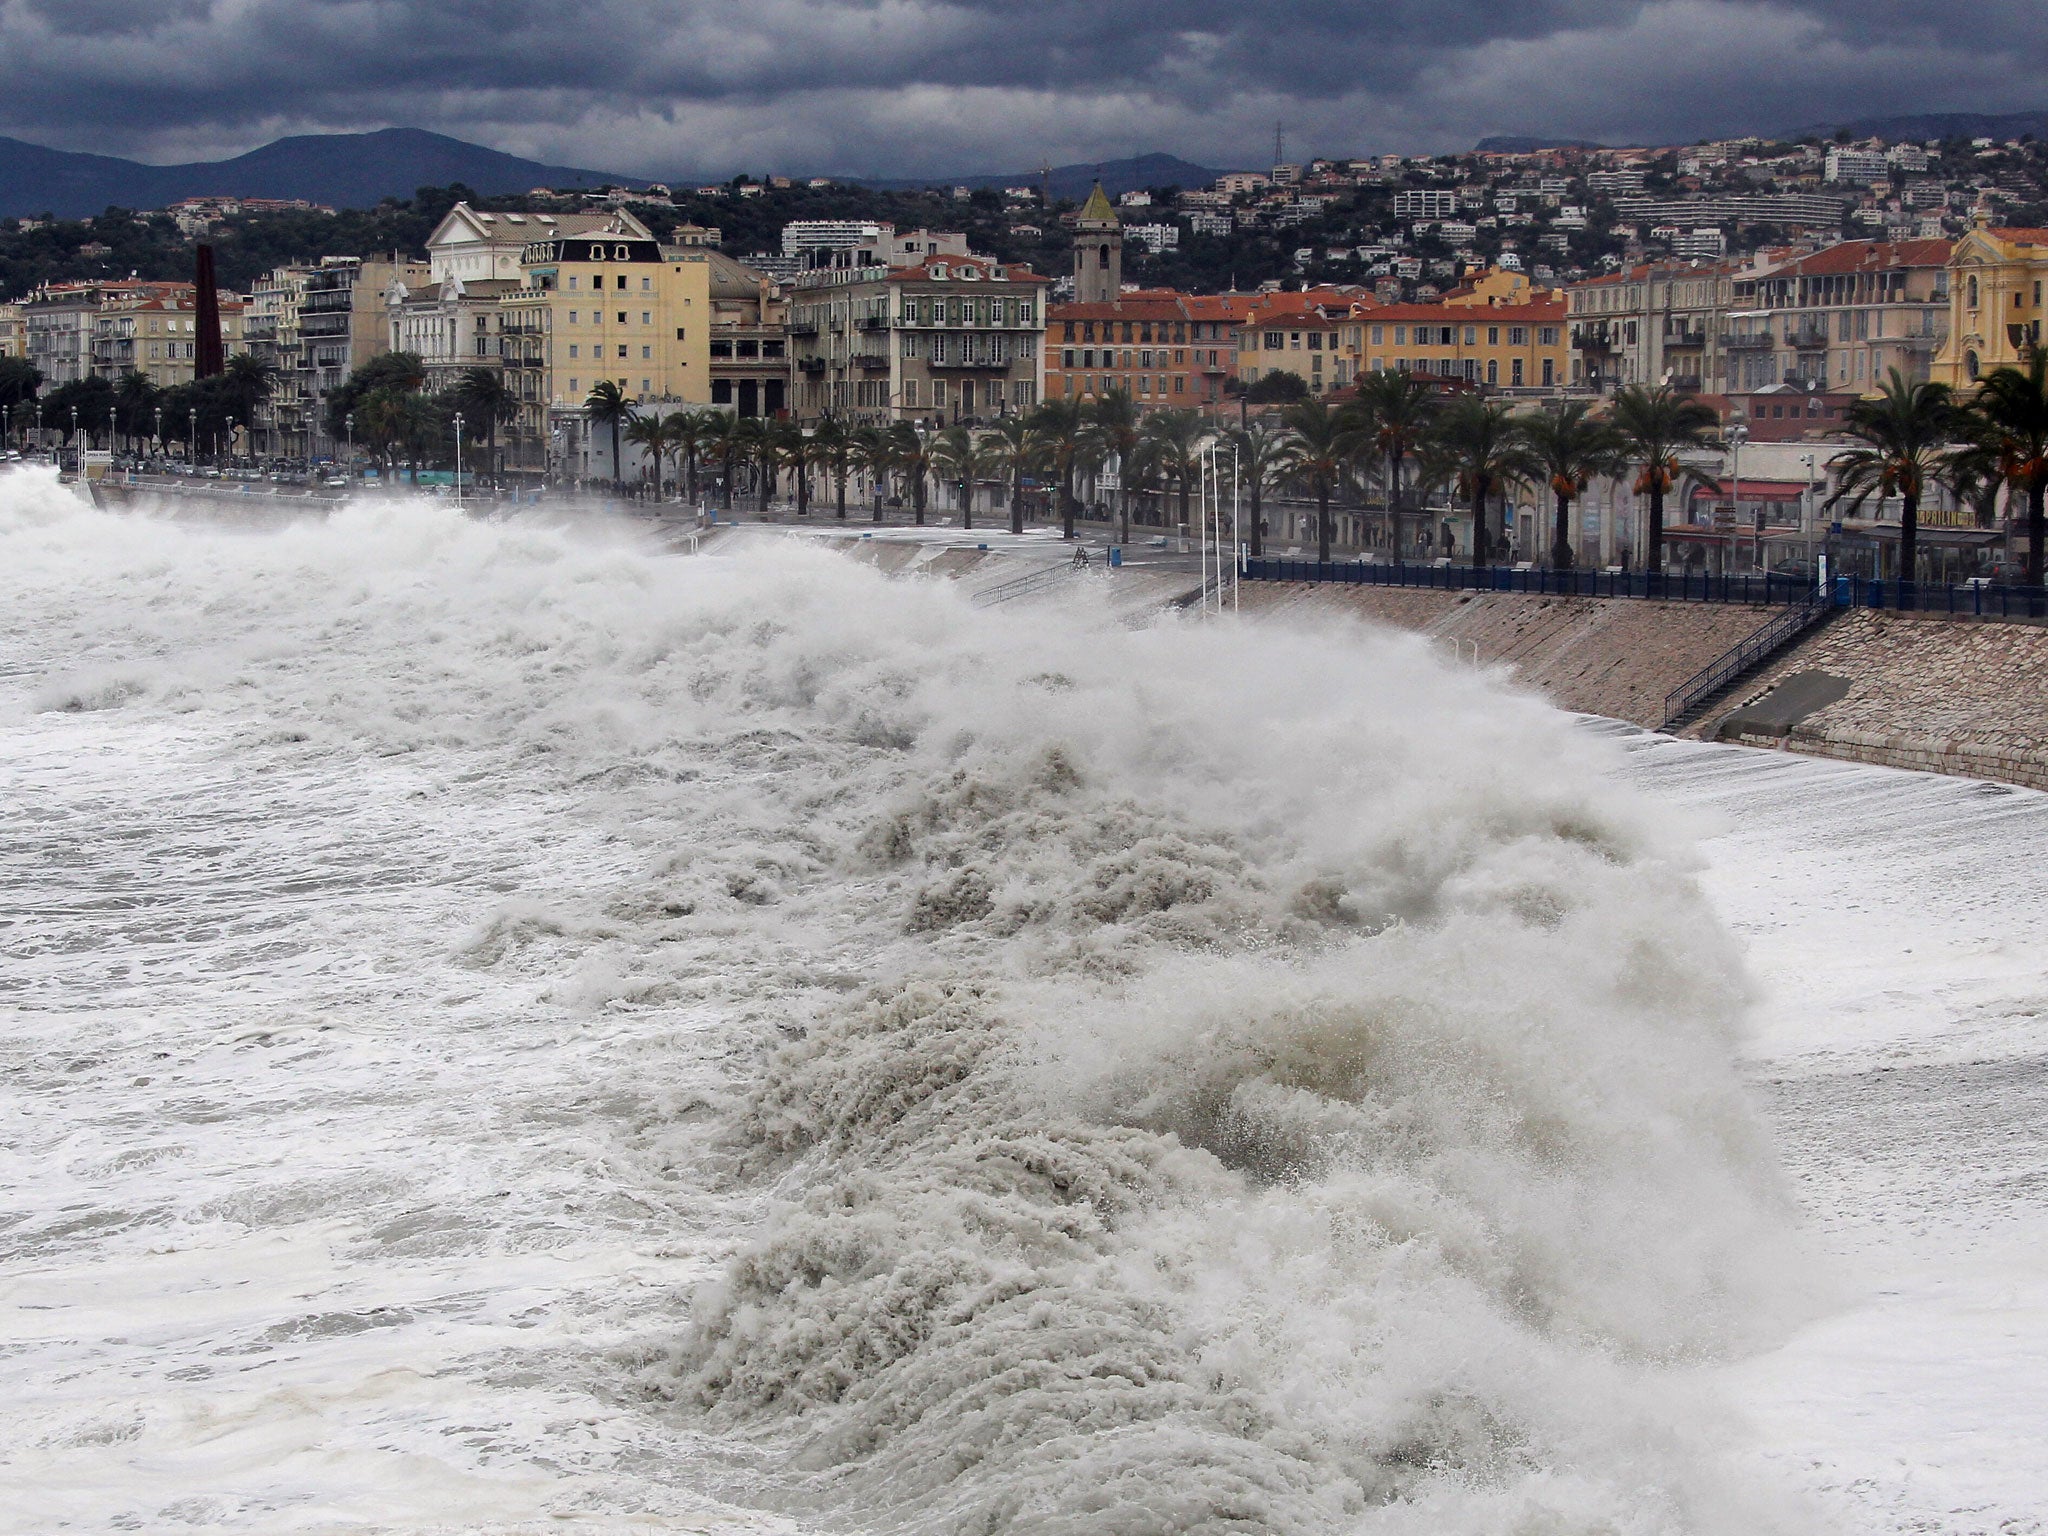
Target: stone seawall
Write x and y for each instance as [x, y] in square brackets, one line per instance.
[1941, 695]
[1617, 657]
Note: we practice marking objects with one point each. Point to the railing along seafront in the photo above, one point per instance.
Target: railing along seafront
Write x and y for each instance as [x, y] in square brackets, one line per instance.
[1973, 599]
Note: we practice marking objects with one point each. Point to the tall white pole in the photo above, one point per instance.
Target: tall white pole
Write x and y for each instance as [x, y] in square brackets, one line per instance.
[458, 461]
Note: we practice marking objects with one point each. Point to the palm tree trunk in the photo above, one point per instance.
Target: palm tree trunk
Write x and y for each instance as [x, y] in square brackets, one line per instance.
[615, 455]
[917, 495]
[1322, 521]
[2037, 499]
[1909, 548]
[1653, 565]
[803, 490]
[1123, 510]
[1481, 539]
[1258, 549]
[1393, 507]
[1017, 503]
[839, 491]
[1067, 504]
[1560, 534]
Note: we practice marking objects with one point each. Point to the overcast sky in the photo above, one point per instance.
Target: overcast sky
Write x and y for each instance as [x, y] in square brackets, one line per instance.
[914, 87]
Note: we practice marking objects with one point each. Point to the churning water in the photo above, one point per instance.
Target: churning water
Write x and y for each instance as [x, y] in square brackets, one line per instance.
[507, 1027]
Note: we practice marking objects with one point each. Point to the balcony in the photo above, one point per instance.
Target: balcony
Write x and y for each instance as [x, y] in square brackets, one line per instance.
[979, 361]
[871, 362]
[811, 365]
[1809, 338]
[1688, 338]
[802, 328]
[1593, 340]
[1748, 341]
[875, 323]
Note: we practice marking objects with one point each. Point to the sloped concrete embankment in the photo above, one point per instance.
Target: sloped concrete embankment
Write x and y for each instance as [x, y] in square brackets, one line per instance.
[1603, 656]
[1903, 691]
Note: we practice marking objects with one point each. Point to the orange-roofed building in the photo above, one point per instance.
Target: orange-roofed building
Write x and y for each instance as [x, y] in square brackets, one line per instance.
[1477, 335]
[1840, 318]
[1161, 347]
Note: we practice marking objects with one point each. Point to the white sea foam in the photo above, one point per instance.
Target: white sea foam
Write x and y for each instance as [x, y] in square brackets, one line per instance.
[1183, 1080]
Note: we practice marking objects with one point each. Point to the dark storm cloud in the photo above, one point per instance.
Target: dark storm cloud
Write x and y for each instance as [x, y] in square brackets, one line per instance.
[932, 85]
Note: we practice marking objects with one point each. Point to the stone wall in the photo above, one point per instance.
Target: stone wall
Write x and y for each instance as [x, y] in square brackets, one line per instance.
[1617, 657]
[1943, 695]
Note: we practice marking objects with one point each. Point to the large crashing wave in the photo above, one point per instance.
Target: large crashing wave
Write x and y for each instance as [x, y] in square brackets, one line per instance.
[1213, 1078]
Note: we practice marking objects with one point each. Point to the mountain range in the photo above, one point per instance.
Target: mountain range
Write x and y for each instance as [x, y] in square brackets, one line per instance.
[1073, 181]
[342, 170]
[1935, 125]
[359, 170]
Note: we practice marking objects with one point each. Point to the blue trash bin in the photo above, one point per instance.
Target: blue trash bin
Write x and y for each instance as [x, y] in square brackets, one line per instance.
[1116, 556]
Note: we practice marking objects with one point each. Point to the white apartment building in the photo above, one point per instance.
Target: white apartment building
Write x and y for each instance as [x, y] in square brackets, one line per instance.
[1845, 164]
[1427, 204]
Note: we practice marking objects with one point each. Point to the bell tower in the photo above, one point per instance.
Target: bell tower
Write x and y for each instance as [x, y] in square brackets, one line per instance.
[1098, 252]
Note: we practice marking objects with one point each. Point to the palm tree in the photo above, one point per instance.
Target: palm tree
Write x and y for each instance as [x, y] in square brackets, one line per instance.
[1656, 423]
[1482, 447]
[792, 446]
[1904, 438]
[689, 433]
[1113, 426]
[1261, 453]
[833, 444]
[606, 405]
[1567, 446]
[1061, 424]
[969, 458]
[1017, 449]
[1395, 409]
[1175, 438]
[756, 447]
[249, 380]
[652, 432]
[872, 457]
[910, 456]
[1321, 444]
[725, 441]
[484, 397]
[2008, 422]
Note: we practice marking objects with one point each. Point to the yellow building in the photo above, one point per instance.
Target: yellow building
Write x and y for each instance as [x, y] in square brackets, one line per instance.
[612, 307]
[1498, 332]
[1995, 293]
[13, 334]
[157, 335]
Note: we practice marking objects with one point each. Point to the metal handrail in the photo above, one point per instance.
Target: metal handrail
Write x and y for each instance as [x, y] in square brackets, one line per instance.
[1023, 586]
[1724, 669]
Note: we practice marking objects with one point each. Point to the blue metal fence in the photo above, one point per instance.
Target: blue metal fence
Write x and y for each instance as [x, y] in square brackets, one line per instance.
[1695, 587]
[1973, 599]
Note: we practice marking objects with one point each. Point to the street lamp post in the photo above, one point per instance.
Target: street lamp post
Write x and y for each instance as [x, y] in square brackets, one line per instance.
[159, 432]
[1737, 436]
[1806, 509]
[78, 445]
[458, 461]
[348, 423]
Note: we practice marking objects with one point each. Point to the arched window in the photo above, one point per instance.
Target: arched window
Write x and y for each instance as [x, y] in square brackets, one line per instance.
[1970, 363]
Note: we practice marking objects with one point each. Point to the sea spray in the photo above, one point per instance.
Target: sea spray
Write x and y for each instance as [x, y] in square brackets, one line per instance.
[1204, 1078]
